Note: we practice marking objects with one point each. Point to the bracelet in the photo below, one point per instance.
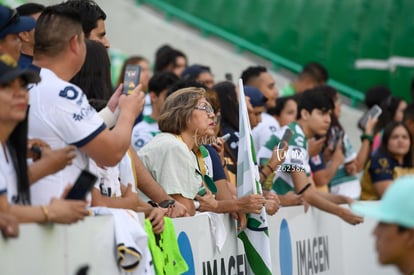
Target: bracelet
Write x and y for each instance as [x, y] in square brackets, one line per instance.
[153, 204]
[45, 212]
[270, 167]
[264, 175]
[367, 137]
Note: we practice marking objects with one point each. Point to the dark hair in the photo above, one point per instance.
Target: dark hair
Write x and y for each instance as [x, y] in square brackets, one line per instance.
[315, 98]
[29, 9]
[389, 128]
[166, 59]
[409, 112]
[94, 78]
[89, 12]
[55, 27]
[335, 128]
[389, 106]
[128, 61]
[193, 72]
[251, 73]
[227, 95]
[17, 145]
[161, 81]
[182, 83]
[315, 71]
[376, 95]
[280, 105]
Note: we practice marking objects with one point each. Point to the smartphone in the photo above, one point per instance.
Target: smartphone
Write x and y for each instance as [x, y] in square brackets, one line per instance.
[131, 78]
[374, 112]
[304, 188]
[166, 203]
[286, 137]
[226, 137]
[83, 184]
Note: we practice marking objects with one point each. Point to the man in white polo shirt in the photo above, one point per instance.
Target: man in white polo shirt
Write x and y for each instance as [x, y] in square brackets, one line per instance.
[59, 111]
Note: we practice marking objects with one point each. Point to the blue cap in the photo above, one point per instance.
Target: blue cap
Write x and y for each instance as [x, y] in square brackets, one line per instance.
[257, 99]
[193, 71]
[395, 207]
[9, 71]
[11, 22]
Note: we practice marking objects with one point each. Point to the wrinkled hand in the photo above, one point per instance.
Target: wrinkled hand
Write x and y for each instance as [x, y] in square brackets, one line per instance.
[156, 217]
[67, 211]
[8, 225]
[251, 203]
[207, 202]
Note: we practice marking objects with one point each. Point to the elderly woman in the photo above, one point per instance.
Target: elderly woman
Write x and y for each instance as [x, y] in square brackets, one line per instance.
[186, 116]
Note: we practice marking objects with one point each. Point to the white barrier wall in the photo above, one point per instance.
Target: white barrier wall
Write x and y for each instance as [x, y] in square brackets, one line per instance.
[303, 244]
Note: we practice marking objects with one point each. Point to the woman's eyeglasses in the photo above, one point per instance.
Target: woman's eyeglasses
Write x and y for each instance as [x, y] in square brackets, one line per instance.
[206, 108]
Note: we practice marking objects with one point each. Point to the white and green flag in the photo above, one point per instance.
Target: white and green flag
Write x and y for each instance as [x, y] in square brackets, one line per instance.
[255, 236]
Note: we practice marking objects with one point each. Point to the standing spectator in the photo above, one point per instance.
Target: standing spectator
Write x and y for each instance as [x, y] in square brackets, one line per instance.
[261, 79]
[60, 113]
[314, 110]
[394, 232]
[93, 20]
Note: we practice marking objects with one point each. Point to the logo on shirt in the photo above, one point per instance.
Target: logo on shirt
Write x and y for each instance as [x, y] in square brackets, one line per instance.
[69, 92]
[84, 112]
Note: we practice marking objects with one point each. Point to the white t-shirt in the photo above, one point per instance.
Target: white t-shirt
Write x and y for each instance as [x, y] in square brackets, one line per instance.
[264, 130]
[143, 132]
[8, 178]
[172, 165]
[60, 114]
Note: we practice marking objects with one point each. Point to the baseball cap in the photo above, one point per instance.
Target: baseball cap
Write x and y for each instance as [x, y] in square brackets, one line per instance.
[9, 71]
[11, 22]
[257, 99]
[193, 71]
[396, 206]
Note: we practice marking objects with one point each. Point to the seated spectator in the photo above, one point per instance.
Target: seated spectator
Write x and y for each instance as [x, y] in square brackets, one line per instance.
[392, 110]
[145, 130]
[14, 182]
[394, 232]
[285, 110]
[312, 75]
[314, 110]
[199, 73]
[27, 37]
[168, 59]
[394, 153]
